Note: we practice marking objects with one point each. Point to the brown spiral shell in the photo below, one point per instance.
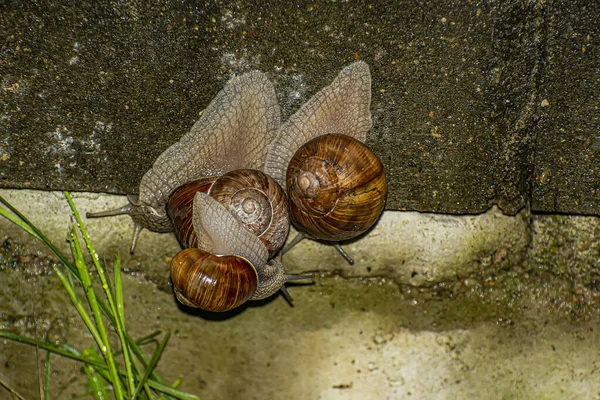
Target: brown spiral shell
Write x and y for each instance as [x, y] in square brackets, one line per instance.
[211, 282]
[179, 209]
[255, 200]
[337, 187]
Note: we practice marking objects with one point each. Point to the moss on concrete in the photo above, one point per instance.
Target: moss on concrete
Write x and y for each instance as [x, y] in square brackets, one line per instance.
[357, 338]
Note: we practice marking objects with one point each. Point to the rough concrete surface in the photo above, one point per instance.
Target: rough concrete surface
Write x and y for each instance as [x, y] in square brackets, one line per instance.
[487, 112]
[509, 329]
[569, 117]
[469, 99]
[343, 340]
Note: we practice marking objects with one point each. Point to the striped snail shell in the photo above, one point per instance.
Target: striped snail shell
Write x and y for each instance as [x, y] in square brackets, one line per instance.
[253, 198]
[212, 282]
[337, 188]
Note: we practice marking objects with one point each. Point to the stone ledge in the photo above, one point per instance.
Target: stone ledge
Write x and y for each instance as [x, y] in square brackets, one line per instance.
[407, 247]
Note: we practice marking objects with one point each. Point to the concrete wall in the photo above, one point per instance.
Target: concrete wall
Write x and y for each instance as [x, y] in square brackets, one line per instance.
[474, 104]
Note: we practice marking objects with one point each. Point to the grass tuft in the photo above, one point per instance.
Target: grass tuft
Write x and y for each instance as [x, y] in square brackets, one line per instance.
[123, 373]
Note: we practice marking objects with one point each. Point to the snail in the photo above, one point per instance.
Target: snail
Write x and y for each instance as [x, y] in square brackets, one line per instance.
[232, 133]
[336, 184]
[229, 266]
[218, 166]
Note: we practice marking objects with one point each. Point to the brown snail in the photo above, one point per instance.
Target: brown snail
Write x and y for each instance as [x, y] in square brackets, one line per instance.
[214, 171]
[232, 133]
[336, 184]
[253, 198]
[230, 264]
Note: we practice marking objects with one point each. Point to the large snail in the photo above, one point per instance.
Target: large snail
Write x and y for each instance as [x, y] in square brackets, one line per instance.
[336, 184]
[253, 198]
[209, 166]
[232, 133]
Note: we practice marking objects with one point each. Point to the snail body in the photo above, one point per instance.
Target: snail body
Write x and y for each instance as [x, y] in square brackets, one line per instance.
[232, 133]
[210, 189]
[336, 184]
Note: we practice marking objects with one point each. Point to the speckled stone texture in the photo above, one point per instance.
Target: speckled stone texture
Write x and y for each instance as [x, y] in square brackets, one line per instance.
[474, 104]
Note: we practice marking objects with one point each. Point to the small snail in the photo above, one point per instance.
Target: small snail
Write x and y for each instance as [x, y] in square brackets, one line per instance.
[217, 166]
[230, 264]
[337, 185]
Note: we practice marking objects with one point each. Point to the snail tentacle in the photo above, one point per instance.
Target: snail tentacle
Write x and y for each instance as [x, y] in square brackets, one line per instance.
[297, 239]
[272, 278]
[340, 250]
[300, 236]
[137, 228]
[124, 210]
[142, 215]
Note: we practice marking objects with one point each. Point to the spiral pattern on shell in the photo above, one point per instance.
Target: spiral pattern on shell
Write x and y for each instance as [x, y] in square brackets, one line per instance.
[257, 201]
[212, 282]
[337, 187]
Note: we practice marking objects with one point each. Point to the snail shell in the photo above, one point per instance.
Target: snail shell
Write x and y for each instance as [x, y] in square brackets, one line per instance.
[337, 187]
[328, 184]
[342, 107]
[180, 210]
[253, 198]
[212, 282]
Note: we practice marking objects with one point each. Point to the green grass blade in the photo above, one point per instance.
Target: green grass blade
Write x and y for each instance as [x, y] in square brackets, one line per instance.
[12, 392]
[22, 222]
[71, 353]
[177, 382]
[148, 338]
[142, 358]
[96, 382]
[155, 357]
[49, 347]
[168, 390]
[102, 341]
[119, 317]
[120, 311]
[87, 319]
[103, 371]
[119, 289]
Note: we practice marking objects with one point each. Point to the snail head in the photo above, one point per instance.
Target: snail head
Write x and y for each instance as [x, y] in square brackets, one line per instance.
[143, 216]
